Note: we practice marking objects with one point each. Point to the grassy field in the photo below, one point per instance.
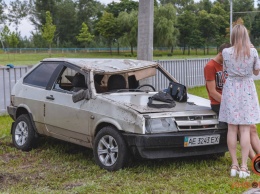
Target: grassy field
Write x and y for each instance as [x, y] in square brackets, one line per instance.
[34, 58]
[59, 167]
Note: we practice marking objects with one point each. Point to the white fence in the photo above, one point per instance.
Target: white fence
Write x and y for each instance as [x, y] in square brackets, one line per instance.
[187, 71]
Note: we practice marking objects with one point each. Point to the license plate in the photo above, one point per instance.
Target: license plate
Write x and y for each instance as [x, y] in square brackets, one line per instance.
[201, 140]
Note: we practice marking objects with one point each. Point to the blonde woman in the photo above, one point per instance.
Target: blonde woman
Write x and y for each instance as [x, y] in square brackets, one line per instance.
[239, 104]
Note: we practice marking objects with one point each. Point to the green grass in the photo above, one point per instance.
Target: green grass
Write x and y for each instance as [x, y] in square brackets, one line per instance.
[60, 167]
[34, 58]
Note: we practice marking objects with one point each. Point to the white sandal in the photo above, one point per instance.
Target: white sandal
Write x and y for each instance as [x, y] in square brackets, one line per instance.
[234, 171]
[244, 173]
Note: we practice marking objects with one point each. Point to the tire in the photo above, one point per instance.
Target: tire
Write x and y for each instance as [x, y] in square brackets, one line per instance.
[110, 150]
[23, 134]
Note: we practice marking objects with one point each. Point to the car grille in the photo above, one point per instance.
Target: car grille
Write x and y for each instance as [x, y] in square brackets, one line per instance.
[201, 122]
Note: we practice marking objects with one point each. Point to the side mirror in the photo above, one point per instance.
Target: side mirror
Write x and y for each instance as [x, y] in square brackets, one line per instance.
[81, 95]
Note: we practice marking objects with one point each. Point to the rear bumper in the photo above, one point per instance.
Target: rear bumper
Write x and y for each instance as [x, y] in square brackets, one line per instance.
[171, 145]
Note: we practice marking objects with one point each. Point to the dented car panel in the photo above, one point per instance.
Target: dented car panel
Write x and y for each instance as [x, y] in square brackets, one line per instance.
[83, 103]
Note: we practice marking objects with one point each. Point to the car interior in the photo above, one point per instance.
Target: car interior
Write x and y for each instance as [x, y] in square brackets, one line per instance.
[73, 81]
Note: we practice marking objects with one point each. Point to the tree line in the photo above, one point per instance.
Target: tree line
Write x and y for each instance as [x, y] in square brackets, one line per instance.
[89, 23]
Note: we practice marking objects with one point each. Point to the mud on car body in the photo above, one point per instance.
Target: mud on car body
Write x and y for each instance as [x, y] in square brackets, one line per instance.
[102, 104]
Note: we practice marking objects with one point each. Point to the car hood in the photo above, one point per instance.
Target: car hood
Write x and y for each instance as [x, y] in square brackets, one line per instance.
[138, 102]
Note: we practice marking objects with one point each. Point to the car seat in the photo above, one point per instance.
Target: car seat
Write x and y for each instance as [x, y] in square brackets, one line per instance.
[116, 82]
[78, 82]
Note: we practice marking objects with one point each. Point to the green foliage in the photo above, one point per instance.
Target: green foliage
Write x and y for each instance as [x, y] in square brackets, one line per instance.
[205, 5]
[88, 11]
[13, 40]
[107, 27]
[66, 22]
[128, 26]
[187, 25]
[84, 35]
[5, 33]
[39, 9]
[122, 6]
[165, 32]
[48, 29]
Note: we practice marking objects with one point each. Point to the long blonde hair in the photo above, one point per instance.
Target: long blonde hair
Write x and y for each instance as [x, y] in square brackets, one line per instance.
[241, 42]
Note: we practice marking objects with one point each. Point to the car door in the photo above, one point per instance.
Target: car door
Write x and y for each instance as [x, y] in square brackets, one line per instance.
[32, 94]
[63, 118]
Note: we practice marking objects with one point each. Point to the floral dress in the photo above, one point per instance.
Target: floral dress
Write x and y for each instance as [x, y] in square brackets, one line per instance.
[239, 104]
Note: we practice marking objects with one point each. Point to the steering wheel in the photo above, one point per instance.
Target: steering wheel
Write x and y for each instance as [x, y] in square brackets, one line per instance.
[146, 85]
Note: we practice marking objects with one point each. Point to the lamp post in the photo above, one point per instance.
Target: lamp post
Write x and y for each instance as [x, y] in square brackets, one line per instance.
[231, 18]
[145, 30]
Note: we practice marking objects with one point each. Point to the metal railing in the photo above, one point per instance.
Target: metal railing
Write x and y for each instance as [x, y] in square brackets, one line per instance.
[8, 77]
[189, 72]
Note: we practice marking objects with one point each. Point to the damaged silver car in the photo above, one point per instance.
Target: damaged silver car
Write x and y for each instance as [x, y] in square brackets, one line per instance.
[102, 104]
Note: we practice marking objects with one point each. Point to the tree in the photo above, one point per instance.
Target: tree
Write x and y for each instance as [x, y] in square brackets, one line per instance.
[165, 32]
[242, 6]
[48, 30]
[205, 5]
[187, 24]
[5, 33]
[123, 6]
[3, 16]
[17, 11]
[88, 11]
[38, 41]
[223, 19]
[39, 9]
[13, 40]
[84, 35]
[255, 33]
[225, 4]
[209, 25]
[128, 25]
[66, 23]
[180, 5]
[108, 28]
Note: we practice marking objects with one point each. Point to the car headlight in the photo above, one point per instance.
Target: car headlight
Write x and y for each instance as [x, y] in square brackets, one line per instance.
[159, 125]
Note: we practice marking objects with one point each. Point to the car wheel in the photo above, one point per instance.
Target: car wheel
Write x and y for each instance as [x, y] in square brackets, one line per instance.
[110, 149]
[23, 134]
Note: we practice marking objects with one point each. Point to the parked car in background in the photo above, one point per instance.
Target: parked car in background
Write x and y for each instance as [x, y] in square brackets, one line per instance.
[102, 104]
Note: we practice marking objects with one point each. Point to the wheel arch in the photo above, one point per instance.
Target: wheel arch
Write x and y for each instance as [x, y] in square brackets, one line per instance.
[23, 110]
[102, 125]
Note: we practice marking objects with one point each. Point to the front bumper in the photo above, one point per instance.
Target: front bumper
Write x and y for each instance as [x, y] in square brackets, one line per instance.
[171, 145]
[12, 111]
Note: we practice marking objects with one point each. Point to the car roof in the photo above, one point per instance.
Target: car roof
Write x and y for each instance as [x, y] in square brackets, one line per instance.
[106, 65]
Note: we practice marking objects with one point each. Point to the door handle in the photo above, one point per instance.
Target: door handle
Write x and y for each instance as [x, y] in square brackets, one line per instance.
[50, 97]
